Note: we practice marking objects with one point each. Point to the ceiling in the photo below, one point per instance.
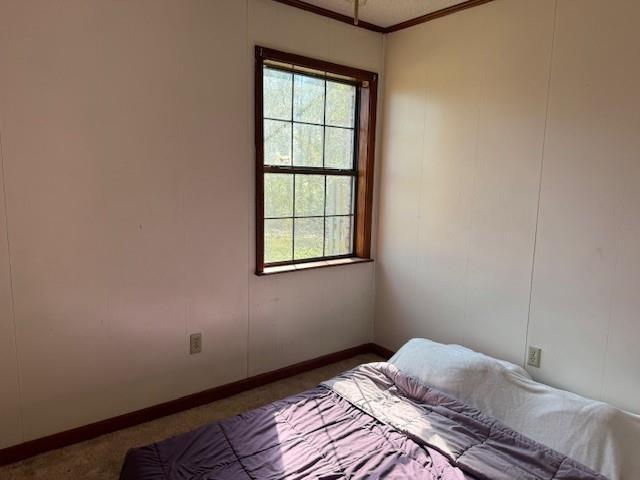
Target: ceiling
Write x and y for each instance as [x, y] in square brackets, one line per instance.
[385, 13]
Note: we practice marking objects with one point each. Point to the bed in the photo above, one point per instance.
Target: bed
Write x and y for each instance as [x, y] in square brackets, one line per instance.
[415, 416]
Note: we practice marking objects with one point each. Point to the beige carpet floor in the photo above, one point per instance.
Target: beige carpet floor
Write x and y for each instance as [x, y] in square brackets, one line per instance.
[102, 457]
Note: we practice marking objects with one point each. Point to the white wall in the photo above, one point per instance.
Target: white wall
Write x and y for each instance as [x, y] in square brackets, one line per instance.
[489, 114]
[126, 132]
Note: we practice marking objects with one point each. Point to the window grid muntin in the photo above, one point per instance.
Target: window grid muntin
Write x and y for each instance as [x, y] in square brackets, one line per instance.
[293, 222]
[306, 170]
[309, 216]
[309, 123]
[324, 154]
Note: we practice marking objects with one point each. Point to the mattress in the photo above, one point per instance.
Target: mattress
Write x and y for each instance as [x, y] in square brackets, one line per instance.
[370, 422]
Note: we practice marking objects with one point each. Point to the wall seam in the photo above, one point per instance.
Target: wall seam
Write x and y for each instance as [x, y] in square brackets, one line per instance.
[474, 183]
[12, 293]
[540, 173]
[610, 309]
[250, 243]
[377, 187]
[423, 143]
[617, 212]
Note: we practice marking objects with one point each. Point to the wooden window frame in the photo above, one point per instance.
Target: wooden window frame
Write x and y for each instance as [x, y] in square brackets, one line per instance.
[366, 105]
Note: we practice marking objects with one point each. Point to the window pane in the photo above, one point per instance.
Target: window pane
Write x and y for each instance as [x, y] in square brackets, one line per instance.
[309, 238]
[308, 99]
[339, 196]
[341, 104]
[277, 143]
[309, 195]
[307, 145]
[278, 195]
[278, 240]
[338, 148]
[277, 94]
[338, 236]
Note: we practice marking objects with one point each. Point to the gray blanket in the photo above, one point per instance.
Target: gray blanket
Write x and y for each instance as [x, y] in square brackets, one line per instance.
[372, 422]
[476, 444]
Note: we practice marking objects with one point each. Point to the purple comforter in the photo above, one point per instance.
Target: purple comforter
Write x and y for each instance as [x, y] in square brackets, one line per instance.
[371, 422]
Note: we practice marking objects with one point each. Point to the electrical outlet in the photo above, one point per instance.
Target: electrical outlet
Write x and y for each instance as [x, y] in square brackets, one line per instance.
[195, 343]
[533, 359]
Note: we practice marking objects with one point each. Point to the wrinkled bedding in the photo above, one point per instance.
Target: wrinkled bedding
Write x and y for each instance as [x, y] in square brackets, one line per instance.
[371, 422]
[592, 432]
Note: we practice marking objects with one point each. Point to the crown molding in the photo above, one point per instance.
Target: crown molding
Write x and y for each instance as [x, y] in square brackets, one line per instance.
[377, 28]
[437, 14]
[331, 14]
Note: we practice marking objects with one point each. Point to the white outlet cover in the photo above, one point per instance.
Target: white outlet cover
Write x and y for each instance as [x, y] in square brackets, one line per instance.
[533, 357]
[195, 343]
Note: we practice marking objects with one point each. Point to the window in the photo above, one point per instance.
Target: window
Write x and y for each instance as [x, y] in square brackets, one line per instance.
[315, 134]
